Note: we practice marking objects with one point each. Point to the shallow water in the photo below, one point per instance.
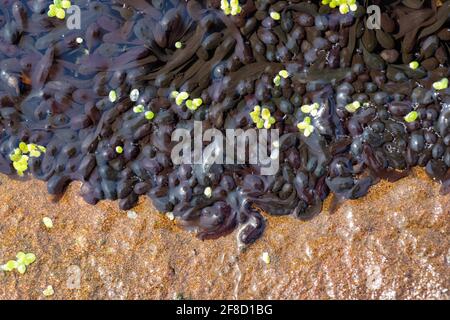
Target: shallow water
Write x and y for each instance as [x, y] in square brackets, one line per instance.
[56, 83]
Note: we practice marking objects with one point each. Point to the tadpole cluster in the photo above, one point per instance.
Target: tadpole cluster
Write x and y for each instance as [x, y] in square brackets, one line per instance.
[56, 84]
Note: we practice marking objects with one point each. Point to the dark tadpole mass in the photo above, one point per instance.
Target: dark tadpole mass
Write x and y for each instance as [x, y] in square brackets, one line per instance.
[353, 105]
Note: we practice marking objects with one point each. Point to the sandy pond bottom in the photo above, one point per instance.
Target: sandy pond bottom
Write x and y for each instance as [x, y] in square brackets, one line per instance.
[392, 244]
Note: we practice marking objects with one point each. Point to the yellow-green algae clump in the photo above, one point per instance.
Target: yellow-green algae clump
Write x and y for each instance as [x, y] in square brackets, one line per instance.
[23, 153]
[58, 9]
[23, 260]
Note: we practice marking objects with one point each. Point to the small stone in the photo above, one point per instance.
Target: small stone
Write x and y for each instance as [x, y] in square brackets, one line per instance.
[265, 257]
[132, 214]
[170, 216]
